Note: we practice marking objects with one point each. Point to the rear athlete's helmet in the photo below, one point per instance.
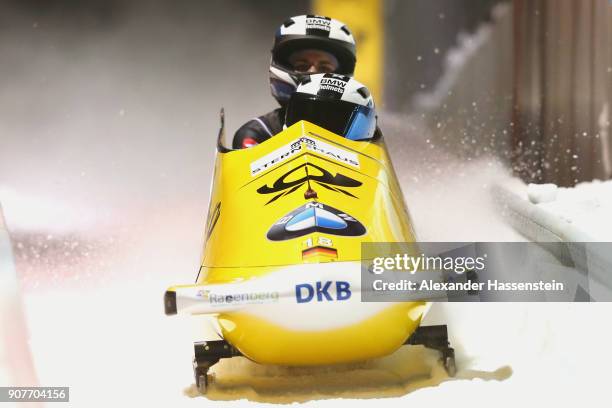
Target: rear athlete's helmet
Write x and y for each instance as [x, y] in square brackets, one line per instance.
[335, 102]
[308, 32]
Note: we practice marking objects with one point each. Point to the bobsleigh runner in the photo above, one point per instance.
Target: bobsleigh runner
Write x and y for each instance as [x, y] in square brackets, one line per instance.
[281, 266]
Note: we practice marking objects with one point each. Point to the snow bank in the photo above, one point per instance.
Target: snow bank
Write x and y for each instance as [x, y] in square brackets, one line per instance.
[581, 213]
[588, 206]
[541, 193]
[578, 218]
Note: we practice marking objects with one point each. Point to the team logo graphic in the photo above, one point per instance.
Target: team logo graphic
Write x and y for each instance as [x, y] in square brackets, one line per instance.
[315, 217]
[332, 86]
[288, 183]
[204, 294]
[318, 25]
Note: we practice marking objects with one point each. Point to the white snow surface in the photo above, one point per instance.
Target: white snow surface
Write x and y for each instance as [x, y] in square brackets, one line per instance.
[588, 206]
[584, 209]
[541, 193]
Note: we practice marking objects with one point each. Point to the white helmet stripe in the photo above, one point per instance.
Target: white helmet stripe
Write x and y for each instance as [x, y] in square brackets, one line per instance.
[302, 25]
[337, 86]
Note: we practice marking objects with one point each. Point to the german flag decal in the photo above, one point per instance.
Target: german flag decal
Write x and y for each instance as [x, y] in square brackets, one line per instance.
[319, 251]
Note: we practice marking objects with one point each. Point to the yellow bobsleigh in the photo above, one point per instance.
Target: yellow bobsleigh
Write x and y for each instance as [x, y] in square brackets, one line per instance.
[281, 265]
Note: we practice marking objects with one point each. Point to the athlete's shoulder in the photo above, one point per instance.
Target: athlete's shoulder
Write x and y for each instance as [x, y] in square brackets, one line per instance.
[259, 129]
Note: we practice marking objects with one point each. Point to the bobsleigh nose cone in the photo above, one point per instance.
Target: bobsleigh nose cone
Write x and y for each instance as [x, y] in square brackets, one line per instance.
[170, 302]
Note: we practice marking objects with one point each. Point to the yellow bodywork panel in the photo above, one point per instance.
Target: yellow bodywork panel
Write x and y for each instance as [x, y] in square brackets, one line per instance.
[255, 188]
[306, 197]
[376, 336]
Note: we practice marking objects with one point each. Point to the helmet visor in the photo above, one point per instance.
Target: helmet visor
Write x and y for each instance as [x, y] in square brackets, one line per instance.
[343, 118]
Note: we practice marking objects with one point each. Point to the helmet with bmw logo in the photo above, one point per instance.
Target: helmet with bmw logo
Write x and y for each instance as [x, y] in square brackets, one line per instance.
[308, 32]
[338, 103]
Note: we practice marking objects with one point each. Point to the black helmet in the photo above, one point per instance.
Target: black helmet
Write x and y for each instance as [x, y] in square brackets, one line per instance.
[335, 102]
[308, 32]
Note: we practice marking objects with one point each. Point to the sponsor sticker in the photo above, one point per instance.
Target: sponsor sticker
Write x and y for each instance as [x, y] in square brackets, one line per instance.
[320, 292]
[244, 298]
[277, 156]
[318, 23]
[331, 151]
[283, 153]
[333, 84]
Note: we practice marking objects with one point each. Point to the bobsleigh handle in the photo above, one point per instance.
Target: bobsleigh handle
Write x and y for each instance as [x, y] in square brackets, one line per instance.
[220, 146]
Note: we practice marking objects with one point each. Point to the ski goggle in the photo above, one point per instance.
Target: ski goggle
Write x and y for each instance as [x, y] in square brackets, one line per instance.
[347, 119]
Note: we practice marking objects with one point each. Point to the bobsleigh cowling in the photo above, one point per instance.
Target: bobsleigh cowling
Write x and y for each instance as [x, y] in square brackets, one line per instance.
[281, 265]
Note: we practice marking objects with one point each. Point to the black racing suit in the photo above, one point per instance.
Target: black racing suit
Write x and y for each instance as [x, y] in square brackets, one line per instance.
[264, 127]
[259, 129]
